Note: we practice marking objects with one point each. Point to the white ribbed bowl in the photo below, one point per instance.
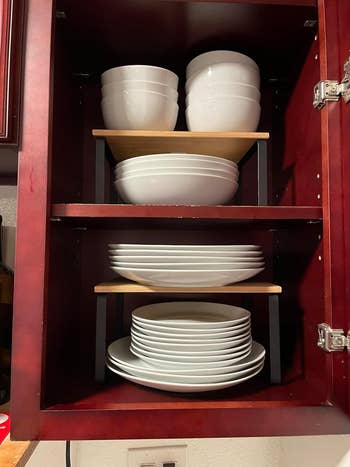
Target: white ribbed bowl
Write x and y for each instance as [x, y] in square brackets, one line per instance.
[117, 86]
[140, 73]
[139, 110]
[200, 92]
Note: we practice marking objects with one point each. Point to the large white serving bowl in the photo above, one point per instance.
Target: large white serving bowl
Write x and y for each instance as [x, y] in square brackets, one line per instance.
[224, 113]
[119, 353]
[193, 315]
[199, 93]
[186, 277]
[157, 375]
[139, 110]
[217, 56]
[146, 260]
[209, 248]
[117, 86]
[224, 72]
[199, 265]
[175, 156]
[228, 173]
[140, 73]
[174, 188]
[184, 334]
[190, 347]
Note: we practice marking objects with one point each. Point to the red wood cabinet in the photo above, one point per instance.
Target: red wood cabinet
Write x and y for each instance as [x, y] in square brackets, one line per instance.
[62, 235]
[11, 49]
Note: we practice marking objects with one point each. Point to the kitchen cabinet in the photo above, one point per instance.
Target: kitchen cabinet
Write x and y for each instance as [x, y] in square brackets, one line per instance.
[11, 50]
[62, 233]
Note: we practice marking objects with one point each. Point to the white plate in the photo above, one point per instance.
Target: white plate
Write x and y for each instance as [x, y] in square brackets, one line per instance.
[174, 156]
[188, 259]
[186, 333]
[187, 253]
[186, 278]
[183, 387]
[140, 246]
[209, 358]
[191, 349]
[119, 353]
[186, 341]
[206, 266]
[193, 315]
[189, 379]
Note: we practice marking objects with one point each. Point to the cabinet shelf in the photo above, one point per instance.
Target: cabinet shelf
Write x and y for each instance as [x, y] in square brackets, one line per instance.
[228, 145]
[124, 286]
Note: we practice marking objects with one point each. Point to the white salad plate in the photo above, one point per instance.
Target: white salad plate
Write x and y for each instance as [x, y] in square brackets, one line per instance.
[119, 353]
[193, 349]
[183, 387]
[190, 333]
[193, 315]
[140, 246]
[198, 265]
[186, 277]
[185, 259]
[228, 255]
[179, 378]
[164, 333]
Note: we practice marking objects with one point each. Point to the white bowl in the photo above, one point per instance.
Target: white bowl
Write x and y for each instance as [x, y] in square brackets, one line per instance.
[183, 259]
[217, 56]
[179, 189]
[186, 277]
[198, 265]
[140, 73]
[223, 172]
[199, 93]
[156, 159]
[224, 72]
[224, 114]
[117, 86]
[139, 110]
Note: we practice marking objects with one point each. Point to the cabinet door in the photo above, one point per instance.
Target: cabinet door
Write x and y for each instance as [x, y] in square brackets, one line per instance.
[334, 16]
[11, 33]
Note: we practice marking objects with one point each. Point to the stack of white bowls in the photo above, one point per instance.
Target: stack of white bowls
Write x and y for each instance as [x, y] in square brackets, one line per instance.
[139, 97]
[173, 178]
[187, 347]
[186, 265]
[222, 92]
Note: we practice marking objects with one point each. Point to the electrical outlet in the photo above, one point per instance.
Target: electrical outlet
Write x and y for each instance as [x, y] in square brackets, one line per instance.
[158, 456]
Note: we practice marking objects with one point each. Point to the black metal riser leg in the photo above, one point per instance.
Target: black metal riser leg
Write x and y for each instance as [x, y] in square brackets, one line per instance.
[100, 171]
[275, 347]
[263, 190]
[101, 324]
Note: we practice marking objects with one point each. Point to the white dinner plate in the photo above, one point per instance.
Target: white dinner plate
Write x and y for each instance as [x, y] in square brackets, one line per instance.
[229, 255]
[186, 277]
[140, 246]
[193, 358]
[185, 259]
[183, 387]
[183, 333]
[192, 349]
[120, 354]
[206, 266]
[193, 315]
[183, 379]
[176, 341]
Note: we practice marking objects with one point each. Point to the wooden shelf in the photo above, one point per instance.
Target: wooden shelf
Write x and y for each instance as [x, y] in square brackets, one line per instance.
[229, 145]
[231, 213]
[124, 286]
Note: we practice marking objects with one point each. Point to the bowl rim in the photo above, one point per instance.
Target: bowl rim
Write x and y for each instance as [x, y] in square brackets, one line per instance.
[122, 179]
[172, 154]
[226, 97]
[234, 53]
[134, 66]
[120, 93]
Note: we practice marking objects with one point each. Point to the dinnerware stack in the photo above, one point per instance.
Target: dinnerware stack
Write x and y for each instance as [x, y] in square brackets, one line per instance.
[222, 92]
[187, 347]
[139, 97]
[176, 178]
[186, 265]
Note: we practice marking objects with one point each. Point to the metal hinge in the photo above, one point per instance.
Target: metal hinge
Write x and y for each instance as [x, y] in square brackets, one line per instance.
[332, 340]
[331, 91]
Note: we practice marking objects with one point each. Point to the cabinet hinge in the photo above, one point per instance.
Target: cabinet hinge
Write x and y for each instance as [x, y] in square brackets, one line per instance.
[330, 90]
[332, 340]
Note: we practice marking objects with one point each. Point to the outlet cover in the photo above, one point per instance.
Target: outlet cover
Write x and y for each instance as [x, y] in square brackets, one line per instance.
[158, 456]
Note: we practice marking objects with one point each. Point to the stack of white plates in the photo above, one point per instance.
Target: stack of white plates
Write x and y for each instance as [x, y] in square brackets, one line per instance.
[187, 347]
[186, 265]
[139, 97]
[176, 179]
[222, 92]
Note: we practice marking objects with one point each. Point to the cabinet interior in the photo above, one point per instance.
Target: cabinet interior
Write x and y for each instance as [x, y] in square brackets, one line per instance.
[169, 33]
